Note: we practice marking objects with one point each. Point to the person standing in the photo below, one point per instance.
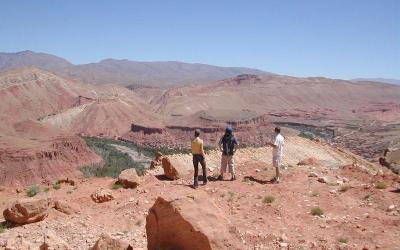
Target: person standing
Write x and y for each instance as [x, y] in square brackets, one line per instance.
[277, 152]
[227, 145]
[198, 157]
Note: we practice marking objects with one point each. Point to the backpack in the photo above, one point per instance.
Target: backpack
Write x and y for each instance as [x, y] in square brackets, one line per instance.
[228, 143]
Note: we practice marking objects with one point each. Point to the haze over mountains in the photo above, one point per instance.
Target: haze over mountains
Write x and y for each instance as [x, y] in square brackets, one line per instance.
[384, 80]
[124, 72]
[127, 72]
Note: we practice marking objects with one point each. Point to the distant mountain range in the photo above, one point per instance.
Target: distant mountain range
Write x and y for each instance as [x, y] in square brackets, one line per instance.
[125, 72]
[29, 59]
[384, 80]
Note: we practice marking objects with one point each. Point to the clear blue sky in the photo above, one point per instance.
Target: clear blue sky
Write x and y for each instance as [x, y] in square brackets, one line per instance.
[333, 38]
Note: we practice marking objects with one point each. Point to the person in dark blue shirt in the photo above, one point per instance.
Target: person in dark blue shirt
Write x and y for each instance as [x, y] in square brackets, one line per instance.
[228, 145]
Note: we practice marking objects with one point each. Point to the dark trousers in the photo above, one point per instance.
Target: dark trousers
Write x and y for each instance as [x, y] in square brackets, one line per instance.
[196, 160]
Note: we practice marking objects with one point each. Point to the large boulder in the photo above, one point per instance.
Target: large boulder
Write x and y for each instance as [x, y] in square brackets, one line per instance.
[26, 211]
[66, 207]
[391, 160]
[105, 242]
[101, 195]
[129, 178]
[173, 169]
[189, 221]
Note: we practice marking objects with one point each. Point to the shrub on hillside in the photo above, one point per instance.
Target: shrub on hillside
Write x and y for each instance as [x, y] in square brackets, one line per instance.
[380, 185]
[57, 185]
[2, 228]
[268, 199]
[317, 211]
[32, 191]
[344, 188]
[117, 186]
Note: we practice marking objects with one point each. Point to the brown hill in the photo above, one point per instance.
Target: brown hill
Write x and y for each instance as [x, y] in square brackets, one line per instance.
[31, 93]
[31, 59]
[31, 153]
[127, 72]
[109, 116]
[344, 112]
[94, 110]
[274, 94]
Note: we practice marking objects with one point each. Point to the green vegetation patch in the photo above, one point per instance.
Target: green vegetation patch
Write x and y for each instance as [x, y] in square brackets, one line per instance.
[380, 185]
[57, 185]
[32, 191]
[115, 161]
[117, 186]
[2, 228]
[268, 199]
[317, 211]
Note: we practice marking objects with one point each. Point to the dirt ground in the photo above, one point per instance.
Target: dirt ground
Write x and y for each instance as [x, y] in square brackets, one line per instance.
[356, 214]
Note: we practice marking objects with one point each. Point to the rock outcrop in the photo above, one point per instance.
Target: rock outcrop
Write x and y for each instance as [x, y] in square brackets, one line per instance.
[66, 208]
[391, 160]
[101, 195]
[157, 161]
[105, 242]
[129, 178]
[33, 153]
[173, 169]
[27, 211]
[189, 222]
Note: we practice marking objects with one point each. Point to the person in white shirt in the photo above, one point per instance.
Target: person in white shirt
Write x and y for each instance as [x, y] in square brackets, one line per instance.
[277, 152]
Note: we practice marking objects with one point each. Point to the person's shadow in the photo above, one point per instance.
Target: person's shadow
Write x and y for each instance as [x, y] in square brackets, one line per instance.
[263, 182]
[162, 177]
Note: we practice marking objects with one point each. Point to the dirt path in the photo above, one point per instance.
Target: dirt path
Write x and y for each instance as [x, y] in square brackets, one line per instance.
[135, 155]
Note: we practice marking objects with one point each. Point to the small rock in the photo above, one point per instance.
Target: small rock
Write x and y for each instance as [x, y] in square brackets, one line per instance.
[312, 174]
[101, 195]
[283, 238]
[391, 208]
[283, 244]
[322, 179]
[107, 243]
[129, 178]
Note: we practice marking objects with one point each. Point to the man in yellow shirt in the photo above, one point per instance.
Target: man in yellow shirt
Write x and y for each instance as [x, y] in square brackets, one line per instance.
[198, 157]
